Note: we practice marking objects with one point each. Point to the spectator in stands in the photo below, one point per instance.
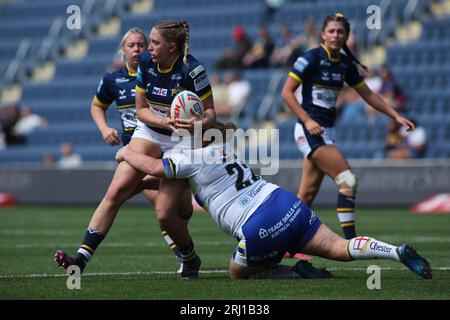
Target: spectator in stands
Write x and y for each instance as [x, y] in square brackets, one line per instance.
[28, 122]
[389, 91]
[271, 7]
[2, 138]
[9, 116]
[68, 159]
[393, 140]
[322, 72]
[287, 48]
[349, 105]
[259, 55]
[239, 90]
[233, 56]
[220, 93]
[48, 160]
[401, 144]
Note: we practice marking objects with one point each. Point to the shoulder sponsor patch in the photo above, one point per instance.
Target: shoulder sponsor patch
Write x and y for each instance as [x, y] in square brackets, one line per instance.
[301, 64]
[201, 82]
[196, 71]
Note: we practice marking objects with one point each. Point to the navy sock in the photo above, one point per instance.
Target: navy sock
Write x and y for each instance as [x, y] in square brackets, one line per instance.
[92, 238]
[346, 214]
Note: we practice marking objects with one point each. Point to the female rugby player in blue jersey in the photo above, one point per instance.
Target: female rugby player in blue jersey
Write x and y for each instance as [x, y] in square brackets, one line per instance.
[164, 70]
[322, 72]
[267, 220]
[120, 87]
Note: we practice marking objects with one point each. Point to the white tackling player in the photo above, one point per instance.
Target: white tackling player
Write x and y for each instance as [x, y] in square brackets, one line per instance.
[266, 219]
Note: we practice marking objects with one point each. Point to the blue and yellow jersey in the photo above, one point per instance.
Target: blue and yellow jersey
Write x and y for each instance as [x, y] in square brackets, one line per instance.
[322, 78]
[161, 86]
[120, 87]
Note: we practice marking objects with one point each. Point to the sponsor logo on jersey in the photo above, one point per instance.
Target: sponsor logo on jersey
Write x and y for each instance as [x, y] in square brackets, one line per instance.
[122, 80]
[264, 256]
[312, 218]
[196, 71]
[160, 91]
[201, 82]
[151, 71]
[325, 75]
[325, 63]
[176, 77]
[336, 77]
[301, 64]
[244, 201]
[263, 233]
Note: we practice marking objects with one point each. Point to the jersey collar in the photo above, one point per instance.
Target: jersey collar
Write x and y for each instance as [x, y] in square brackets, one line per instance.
[171, 66]
[129, 72]
[329, 54]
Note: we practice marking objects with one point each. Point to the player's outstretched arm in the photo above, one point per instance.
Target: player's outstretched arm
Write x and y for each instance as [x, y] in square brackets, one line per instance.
[379, 104]
[143, 163]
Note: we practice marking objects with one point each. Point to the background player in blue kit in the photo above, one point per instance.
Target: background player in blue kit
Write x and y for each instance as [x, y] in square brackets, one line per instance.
[164, 70]
[120, 87]
[266, 219]
[322, 72]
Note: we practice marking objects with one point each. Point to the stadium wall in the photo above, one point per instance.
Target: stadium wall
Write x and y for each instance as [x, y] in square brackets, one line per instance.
[380, 183]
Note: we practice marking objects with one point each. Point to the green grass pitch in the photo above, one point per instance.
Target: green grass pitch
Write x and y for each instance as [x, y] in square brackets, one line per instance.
[134, 262]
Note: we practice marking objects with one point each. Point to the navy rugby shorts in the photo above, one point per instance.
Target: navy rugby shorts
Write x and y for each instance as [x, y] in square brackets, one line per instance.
[283, 223]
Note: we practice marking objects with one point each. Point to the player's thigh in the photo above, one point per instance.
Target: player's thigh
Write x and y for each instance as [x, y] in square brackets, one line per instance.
[330, 160]
[170, 196]
[146, 147]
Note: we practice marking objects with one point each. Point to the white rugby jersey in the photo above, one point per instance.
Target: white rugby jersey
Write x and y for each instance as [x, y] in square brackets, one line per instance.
[221, 184]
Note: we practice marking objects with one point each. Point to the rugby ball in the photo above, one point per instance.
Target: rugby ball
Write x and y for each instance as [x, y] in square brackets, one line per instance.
[183, 103]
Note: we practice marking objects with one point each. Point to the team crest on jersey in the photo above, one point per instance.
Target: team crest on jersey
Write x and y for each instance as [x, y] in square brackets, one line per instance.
[159, 91]
[301, 64]
[325, 75]
[175, 91]
[361, 243]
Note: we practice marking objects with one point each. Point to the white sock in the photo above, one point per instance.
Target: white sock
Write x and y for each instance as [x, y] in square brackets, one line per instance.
[364, 248]
[276, 272]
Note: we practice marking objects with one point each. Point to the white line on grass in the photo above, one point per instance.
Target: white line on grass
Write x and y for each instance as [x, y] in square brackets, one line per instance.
[109, 244]
[149, 273]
